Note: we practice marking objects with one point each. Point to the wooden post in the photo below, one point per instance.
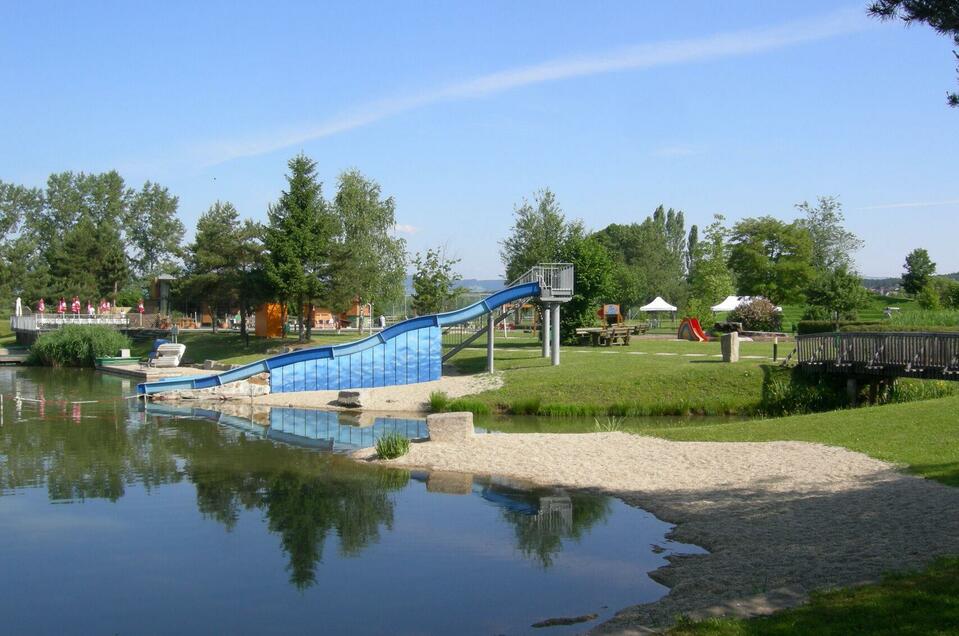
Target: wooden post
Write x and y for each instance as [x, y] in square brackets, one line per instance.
[852, 390]
[775, 348]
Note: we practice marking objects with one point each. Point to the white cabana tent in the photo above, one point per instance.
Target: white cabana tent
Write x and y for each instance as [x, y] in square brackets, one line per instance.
[732, 302]
[658, 304]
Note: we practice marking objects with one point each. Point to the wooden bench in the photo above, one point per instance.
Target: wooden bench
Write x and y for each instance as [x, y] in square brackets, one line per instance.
[613, 334]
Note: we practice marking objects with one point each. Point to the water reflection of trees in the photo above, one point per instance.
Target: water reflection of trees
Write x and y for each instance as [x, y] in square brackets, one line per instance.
[542, 519]
[99, 450]
[305, 496]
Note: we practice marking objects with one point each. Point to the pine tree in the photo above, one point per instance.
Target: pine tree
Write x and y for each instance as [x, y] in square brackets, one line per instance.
[299, 241]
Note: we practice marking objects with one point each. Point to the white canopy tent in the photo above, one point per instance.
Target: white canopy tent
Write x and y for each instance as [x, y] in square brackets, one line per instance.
[658, 304]
[731, 302]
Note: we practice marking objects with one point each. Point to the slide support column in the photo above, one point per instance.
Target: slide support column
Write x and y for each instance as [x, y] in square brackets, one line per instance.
[545, 329]
[490, 332]
[555, 352]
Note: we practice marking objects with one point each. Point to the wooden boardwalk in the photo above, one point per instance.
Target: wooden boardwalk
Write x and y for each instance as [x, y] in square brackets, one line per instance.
[885, 355]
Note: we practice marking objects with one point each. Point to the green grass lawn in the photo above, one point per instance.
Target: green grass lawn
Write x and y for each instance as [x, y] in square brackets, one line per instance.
[649, 377]
[926, 602]
[6, 335]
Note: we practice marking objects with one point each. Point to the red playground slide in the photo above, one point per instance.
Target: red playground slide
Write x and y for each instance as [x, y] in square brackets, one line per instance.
[689, 329]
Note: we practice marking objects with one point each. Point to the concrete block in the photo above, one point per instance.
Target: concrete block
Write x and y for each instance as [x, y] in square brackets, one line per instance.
[449, 427]
[349, 399]
[124, 353]
[730, 346]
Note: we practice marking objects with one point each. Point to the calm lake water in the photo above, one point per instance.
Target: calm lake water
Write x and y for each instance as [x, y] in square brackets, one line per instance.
[120, 519]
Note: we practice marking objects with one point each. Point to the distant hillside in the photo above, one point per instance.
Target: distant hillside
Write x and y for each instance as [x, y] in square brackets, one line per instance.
[471, 284]
[892, 283]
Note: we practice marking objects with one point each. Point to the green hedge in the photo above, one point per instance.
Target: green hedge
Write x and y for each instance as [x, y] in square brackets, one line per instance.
[826, 326]
[77, 346]
[888, 328]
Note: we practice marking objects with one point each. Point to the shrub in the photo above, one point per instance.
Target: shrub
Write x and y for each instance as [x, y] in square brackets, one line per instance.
[928, 298]
[392, 445]
[526, 406]
[806, 327]
[887, 328]
[77, 346]
[757, 315]
[473, 406]
[439, 401]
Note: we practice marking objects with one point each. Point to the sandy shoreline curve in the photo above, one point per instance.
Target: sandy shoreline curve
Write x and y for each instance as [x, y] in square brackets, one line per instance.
[780, 519]
[406, 398]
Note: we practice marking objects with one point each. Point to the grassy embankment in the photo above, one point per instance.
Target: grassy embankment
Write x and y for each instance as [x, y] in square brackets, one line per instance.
[925, 602]
[6, 335]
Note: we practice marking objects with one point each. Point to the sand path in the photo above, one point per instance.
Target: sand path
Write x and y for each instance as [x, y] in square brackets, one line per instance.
[780, 519]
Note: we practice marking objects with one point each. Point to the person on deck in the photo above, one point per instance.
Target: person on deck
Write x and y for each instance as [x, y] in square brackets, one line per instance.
[91, 310]
[62, 306]
[41, 307]
[75, 305]
[104, 306]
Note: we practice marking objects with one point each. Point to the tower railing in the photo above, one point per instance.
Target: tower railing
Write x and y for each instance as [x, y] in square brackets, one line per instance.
[555, 280]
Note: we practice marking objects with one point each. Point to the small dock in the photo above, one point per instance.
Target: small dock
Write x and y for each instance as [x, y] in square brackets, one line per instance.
[13, 355]
[143, 373]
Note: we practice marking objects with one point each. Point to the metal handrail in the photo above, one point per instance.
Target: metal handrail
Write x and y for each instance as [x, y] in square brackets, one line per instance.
[555, 279]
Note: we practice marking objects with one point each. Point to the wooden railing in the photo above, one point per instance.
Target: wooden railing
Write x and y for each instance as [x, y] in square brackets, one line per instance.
[910, 354]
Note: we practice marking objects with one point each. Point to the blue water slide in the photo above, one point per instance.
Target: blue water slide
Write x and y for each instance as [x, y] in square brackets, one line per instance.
[404, 353]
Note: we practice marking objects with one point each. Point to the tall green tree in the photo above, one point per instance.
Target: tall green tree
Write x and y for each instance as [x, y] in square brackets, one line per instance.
[539, 234]
[593, 283]
[941, 15]
[711, 280]
[369, 264]
[211, 260]
[919, 269]
[654, 252]
[771, 258]
[833, 245]
[299, 241]
[434, 282]
[155, 233]
[837, 292]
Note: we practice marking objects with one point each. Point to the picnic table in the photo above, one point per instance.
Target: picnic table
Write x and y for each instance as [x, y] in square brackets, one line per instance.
[605, 336]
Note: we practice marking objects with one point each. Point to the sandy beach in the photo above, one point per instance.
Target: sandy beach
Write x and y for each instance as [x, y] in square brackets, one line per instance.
[406, 398]
[779, 519]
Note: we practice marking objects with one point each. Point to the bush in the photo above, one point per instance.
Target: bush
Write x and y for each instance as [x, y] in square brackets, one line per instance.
[392, 445]
[757, 315]
[928, 298]
[77, 346]
[806, 327]
[439, 402]
[887, 328]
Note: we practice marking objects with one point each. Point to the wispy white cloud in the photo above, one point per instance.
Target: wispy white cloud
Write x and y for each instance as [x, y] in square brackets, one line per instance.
[644, 56]
[403, 228]
[915, 204]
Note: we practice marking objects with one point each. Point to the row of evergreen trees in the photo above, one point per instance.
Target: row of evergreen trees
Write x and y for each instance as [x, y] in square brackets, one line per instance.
[91, 236]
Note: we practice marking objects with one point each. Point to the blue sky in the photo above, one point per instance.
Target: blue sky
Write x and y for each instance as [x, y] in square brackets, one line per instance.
[460, 110]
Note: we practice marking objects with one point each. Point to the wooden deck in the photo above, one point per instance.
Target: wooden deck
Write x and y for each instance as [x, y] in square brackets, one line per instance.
[886, 355]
